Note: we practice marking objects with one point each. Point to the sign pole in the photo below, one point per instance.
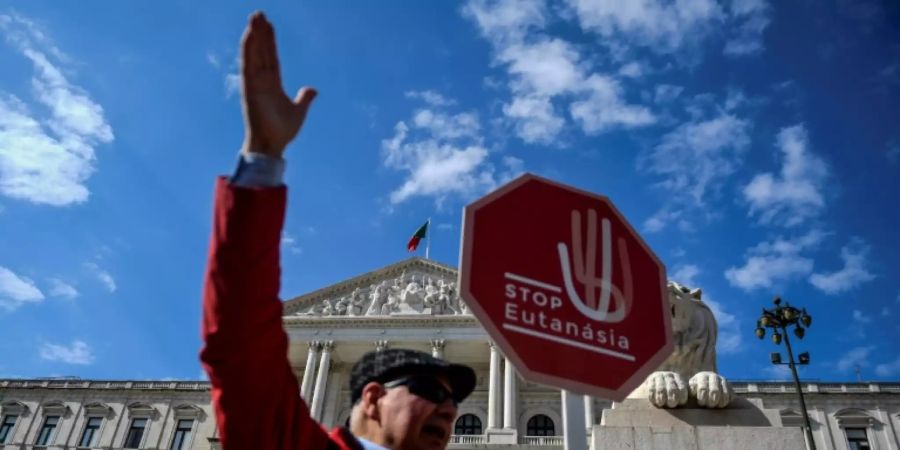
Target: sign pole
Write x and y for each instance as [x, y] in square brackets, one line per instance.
[575, 437]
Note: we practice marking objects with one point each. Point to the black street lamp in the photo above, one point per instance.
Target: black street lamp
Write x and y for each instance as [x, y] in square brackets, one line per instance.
[779, 319]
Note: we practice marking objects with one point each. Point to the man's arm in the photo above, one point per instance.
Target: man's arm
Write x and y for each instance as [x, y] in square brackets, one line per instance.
[254, 391]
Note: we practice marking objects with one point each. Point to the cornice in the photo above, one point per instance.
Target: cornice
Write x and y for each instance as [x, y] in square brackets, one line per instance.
[106, 385]
[766, 388]
[406, 321]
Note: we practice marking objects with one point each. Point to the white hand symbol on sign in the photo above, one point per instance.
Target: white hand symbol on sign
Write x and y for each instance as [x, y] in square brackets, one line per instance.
[585, 262]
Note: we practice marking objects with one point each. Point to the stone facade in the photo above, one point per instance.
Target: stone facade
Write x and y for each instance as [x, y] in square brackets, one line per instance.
[117, 408]
[411, 304]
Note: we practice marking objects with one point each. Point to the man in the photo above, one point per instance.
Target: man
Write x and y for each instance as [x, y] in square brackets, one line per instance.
[402, 399]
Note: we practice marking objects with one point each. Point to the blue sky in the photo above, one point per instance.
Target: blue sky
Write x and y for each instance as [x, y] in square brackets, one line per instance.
[755, 144]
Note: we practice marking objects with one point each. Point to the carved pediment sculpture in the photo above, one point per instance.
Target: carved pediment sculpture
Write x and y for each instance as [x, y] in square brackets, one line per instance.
[417, 290]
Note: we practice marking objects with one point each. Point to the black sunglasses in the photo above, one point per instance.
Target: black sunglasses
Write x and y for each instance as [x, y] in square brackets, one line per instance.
[426, 387]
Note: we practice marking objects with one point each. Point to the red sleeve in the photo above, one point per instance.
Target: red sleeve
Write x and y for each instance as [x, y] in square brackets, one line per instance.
[254, 392]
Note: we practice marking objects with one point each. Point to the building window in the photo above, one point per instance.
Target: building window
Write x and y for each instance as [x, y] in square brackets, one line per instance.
[182, 434]
[91, 430]
[540, 425]
[47, 429]
[467, 424]
[135, 433]
[9, 421]
[856, 439]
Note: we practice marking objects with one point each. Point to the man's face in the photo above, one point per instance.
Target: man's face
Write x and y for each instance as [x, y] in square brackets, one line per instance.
[412, 422]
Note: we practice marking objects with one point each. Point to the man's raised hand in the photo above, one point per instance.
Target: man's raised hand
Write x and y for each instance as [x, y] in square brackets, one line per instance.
[271, 118]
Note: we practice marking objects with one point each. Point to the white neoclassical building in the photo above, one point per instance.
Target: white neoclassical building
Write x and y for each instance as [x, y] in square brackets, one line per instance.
[411, 304]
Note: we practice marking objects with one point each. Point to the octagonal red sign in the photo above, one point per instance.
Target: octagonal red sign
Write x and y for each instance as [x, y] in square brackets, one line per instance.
[565, 286]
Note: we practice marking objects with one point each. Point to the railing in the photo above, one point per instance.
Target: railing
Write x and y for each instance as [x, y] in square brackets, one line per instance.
[541, 440]
[781, 387]
[63, 447]
[467, 439]
[100, 384]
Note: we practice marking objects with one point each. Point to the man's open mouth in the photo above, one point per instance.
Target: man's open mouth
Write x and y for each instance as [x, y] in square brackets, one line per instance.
[434, 430]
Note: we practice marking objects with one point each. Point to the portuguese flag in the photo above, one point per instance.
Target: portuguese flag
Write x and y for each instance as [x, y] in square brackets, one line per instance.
[418, 236]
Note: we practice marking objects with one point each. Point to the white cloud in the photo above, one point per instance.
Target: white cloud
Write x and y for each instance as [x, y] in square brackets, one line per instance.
[535, 119]
[655, 223]
[698, 156]
[232, 84]
[506, 20]
[213, 60]
[685, 274]
[447, 126]
[730, 336]
[764, 271]
[102, 275]
[544, 68]
[443, 154]
[289, 244]
[666, 26]
[751, 18]
[16, 290]
[673, 212]
[539, 71]
[889, 369]
[47, 158]
[633, 69]
[772, 262]
[861, 318]
[545, 71]
[59, 288]
[858, 356]
[431, 98]
[76, 353]
[794, 195]
[851, 275]
[694, 161]
[662, 26]
[665, 93]
[605, 109]
[232, 76]
[800, 243]
[438, 170]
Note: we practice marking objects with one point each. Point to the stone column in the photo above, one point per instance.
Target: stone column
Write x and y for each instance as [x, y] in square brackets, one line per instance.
[494, 388]
[310, 371]
[321, 380]
[510, 394]
[573, 427]
[437, 348]
[589, 412]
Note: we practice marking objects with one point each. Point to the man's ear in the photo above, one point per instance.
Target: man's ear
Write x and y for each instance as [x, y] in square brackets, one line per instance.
[371, 392]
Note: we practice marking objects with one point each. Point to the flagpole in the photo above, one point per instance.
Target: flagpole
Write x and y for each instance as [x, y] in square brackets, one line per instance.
[427, 238]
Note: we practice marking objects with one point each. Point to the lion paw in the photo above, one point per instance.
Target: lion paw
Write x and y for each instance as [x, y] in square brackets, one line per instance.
[667, 389]
[711, 390]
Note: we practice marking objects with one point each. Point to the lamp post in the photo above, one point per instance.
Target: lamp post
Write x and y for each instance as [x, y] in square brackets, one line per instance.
[779, 318]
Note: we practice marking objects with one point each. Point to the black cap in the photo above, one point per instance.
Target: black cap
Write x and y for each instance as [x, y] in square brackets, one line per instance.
[390, 364]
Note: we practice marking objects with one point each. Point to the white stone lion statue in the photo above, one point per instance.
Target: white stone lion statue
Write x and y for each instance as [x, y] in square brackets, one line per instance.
[691, 370]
